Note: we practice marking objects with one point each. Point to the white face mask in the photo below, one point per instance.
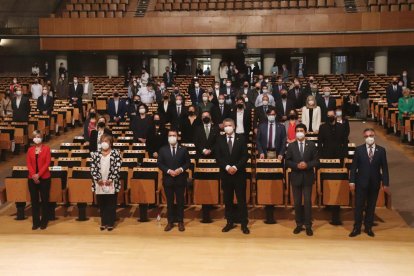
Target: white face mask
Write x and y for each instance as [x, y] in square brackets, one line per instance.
[172, 140]
[264, 91]
[44, 92]
[142, 111]
[228, 84]
[75, 81]
[246, 100]
[178, 102]
[37, 140]
[217, 87]
[265, 102]
[370, 140]
[338, 113]
[221, 101]
[228, 130]
[197, 85]
[105, 145]
[271, 118]
[205, 99]
[404, 74]
[14, 81]
[300, 135]
[18, 93]
[327, 94]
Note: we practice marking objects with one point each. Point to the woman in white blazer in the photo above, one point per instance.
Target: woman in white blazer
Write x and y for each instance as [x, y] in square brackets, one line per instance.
[311, 115]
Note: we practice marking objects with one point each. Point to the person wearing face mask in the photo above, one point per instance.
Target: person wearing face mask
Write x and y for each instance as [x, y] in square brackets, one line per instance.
[116, 108]
[205, 104]
[75, 95]
[21, 107]
[362, 93]
[308, 87]
[259, 99]
[105, 172]
[96, 134]
[176, 92]
[45, 103]
[302, 158]
[164, 107]
[326, 102]
[254, 93]
[159, 92]
[277, 88]
[205, 137]
[168, 77]
[174, 161]
[341, 119]
[88, 89]
[147, 94]
[36, 89]
[216, 93]
[141, 124]
[333, 144]
[232, 156]
[196, 93]
[283, 105]
[290, 126]
[221, 111]
[14, 85]
[144, 77]
[405, 79]
[229, 92]
[311, 115]
[245, 89]
[393, 92]
[62, 91]
[89, 125]
[189, 124]
[178, 112]
[296, 95]
[260, 112]
[313, 91]
[38, 160]
[6, 104]
[156, 137]
[405, 108]
[133, 107]
[242, 118]
[133, 88]
[369, 168]
[62, 70]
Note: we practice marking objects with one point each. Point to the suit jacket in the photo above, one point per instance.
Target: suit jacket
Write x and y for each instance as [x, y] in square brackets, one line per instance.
[238, 157]
[121, 109]
[132, 110]
[324, 108]
[293, 158]
[201, 141]
[364, 89]
[176, 119]
[364, 173]
[76, 93]
[156, 138]
[332, 141]
[262, 139]
[193, 95]
[42, 106]
[299, 101]
[165, 113]
[168, 81]
[280, 111]
[217, 116]
[260, 116]
[276, 91]
[247, 121]
[252, 95]
[22, 113]
[408, 81]
[167, 162]
[393, 96]
[114, 169]
[232, 95]
[43, 162]
[93, 139]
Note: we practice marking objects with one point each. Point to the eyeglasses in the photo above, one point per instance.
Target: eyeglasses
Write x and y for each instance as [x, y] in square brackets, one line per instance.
[372, 135]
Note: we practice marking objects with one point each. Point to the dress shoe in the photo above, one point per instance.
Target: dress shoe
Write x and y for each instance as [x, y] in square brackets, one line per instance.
[43, 226]
[298, 229]
[336, 222]
[374, 224]
[369, 232]
[355, 232]
[102, 228]
[110, 228]
[245, 230]
[309, 231]
[35, 227]
[206, 221]
[181, 227]
[270, 221]
[228, 227]
[169, 227]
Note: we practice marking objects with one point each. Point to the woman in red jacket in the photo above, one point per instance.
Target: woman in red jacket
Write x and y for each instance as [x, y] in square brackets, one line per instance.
[38, 161]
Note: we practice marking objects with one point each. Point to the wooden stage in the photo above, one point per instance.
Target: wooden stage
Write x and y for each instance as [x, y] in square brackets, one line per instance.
[69, 247]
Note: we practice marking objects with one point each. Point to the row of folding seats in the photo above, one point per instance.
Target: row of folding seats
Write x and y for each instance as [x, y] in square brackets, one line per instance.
[96, 7]
[126, 2]
[391, 7]
[389, 2]
[92, 14]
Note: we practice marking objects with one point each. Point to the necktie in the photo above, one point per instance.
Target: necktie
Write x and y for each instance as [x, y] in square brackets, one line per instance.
[395, 88]
[173, 152]
[265, 109]
[179, 111]
[197, 92]
[221, 109]
[297, 93]
[301, 149]
[370, 154]
[270, 140]
[207, 131]
[230, 144]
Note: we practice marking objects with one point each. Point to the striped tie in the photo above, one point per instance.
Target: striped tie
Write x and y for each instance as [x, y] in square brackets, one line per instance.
[370, 154]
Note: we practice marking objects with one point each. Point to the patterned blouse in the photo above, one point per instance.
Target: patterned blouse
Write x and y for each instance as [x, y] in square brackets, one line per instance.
[114, 170]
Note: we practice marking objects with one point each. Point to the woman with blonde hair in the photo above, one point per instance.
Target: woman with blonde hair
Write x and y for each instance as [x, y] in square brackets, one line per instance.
[311, 115]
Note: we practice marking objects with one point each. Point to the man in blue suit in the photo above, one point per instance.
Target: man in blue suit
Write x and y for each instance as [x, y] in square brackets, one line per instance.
[369, 169]
[116, 108]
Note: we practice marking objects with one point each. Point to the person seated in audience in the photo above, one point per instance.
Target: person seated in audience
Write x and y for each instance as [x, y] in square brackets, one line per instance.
[333, 144]
[394, 93]
[188, 125]
[405, 79]
[174, 161]
[106, 184]
[156, 137]
[116, 108]
[326, 103]
[21, 107]
[147, 94]
[254, 93]
[341, 119]
[302, 158]
[168, 77]
[196, 93]
[260, 112]
[221, 111]
[290, 126]
[311, 115]
[178, 112]
[405, 108]
[133, 89]
[242, 118]
[90, 125]
[6, 104]
[229, 92]
[35, 70]
[144, 77]
[13, 87]
[205, 136]
[205, 104]
[141, 124]
[75, 95]
[283, 106]
[38, 160]
[96, 134]
[296, 95]
[45, 103]
[36, 89]
[88, 89]
[271, 137]
[62, 91]
[259, 99]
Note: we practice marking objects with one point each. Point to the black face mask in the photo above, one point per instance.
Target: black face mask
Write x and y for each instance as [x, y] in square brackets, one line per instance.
[394, 82]
[284, 96]
[297, 86]
[137, 102]
[206, 120]
[176, 91]
[331, 119]
[92, 114]
[101, 124]
[257, 88]
[157, 122]
[292, 117]
[246, 85]
[165, 97]
[116, 95]
[191, 113]
[361, 78]
[240, 106]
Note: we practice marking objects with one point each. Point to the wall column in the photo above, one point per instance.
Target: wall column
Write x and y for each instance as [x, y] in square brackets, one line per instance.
[215, 63]
[324, 63]
[163, 61]
[381, 62]
[154, 67]
[268, 60]
[112, 66]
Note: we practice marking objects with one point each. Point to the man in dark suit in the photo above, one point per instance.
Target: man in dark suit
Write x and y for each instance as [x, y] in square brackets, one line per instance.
[232, 156]
[394, 93]
[369, 168]
[196, 93]
[168, 77]
[75, 95]
[21, 107]
[277, 88]
[308, 87]
[302, 159]
[362, 93]
[326, 103]
[205, 137]
[405, 79]
[133, 107]
[177, 112]
[242, 118]
[254, 93]
[116, 108]
[297, 96]
[260, 112]
[221, 111]
[283, 105]
[229, 92]
[45, 103]
[174, 161]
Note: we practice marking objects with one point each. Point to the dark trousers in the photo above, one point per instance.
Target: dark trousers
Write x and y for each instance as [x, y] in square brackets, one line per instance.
[107, 209]
[365, 199]
[230, 187]
[303, 214]
[175, 212]
[40, 203]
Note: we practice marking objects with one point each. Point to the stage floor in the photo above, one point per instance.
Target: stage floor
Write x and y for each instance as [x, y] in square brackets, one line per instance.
[69, 247]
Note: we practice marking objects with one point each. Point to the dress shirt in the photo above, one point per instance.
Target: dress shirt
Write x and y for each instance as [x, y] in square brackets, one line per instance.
[240, 124]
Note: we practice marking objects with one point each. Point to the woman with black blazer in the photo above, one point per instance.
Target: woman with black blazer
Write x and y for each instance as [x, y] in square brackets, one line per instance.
[105, 171]
[95, 136]
[38, 161]
[141, 123]
[189, 124]
[157, 137]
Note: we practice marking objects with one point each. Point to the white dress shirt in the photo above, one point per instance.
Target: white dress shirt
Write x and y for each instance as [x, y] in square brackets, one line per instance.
[18, 100]
[273, 134]
[85, 87]
[240, 118]
[116, 103]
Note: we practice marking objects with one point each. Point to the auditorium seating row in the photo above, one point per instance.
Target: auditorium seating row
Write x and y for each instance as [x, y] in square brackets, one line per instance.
[92, 9]
[126, 2]
[195, 5]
